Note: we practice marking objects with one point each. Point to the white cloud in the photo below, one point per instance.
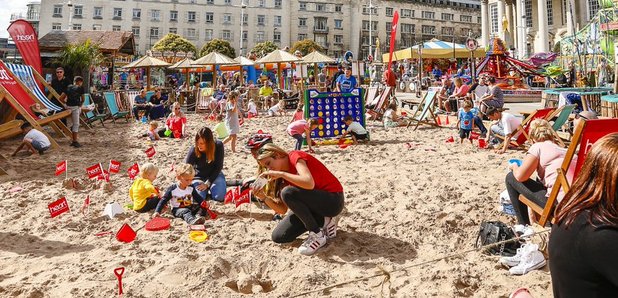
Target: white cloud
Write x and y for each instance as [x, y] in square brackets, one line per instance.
[10, 7]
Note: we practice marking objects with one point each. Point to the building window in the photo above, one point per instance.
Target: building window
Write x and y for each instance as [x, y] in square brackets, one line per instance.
[154, 32]
[155, 15]
[245, 35]
[210, 18]
[564, 11]
[96, 27]
[277, 21]
[277, 3]
[528, 11]
[338, 8]
[448, 31]
[320, 7]
[226, 34]
[374, 10]
[338, 39]
[389, 12]
[117, 13]
[338, 24]
[550, 13]
[259, 36]
[116, 28]
[428, 15]
[135, 30]
[209, 34]
[374, 26]
[191, 33]
[173, 16]
[406, 28]
[137, 13]
[77, 27]
[320, 24]
[464, 18]
[173, 30]
[302, 5]
[302, 36]
[593, 8]
[56, 26]
[261, 3]
[245, 19]
[78, 11]
[405, 13]
[493, 16]
[191, 16]
[388, 26]
[97, 13]
[428, 29]
[261, 20]
[302, 22]
[57, 11]
[447, 16]
[227, 18]
[210, 1]
[228, 2]
[277, 36]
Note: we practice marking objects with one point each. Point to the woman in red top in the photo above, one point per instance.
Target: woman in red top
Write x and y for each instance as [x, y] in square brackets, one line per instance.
[175, 122]
[313, 193]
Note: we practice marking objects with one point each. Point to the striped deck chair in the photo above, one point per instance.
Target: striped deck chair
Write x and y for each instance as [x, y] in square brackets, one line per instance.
[92, 116]
[25, 74]
[112, 107]
[424, 114]
[203, 100]
[521, 132]
[382, 102]
[586, 133]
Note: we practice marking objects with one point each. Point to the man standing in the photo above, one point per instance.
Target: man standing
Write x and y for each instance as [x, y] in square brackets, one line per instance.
[322, 78]
[346, 82]
[75, 99]
[60, 83]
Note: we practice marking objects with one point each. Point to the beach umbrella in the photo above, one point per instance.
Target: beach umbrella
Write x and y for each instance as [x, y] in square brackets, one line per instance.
[215, 59]
[147, 62]
[278, 57]
[316, 57]
[184, 65]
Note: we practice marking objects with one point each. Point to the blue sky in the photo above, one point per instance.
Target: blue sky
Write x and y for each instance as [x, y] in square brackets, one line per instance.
[9, 7]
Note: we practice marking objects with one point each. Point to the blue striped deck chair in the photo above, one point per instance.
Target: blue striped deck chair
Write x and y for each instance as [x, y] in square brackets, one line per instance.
[25, 74]
[424, 114]
[110, 99]
[92, 116]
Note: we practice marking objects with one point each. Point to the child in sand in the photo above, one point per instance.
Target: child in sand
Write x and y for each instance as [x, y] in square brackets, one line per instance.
[152, 133]
[279, 108]
[391, 119]
[231, 119]
[355, 129]
[144, 195]
[220, 130]
[299, 114]
[34, 140]
[252, 107]
[465, 121]
[296, 129]
[183, 198]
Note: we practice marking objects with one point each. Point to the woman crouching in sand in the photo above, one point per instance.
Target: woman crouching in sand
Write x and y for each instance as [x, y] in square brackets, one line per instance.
[313, 193]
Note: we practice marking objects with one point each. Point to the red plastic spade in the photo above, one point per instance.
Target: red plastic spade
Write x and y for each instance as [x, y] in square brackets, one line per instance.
[119, 272]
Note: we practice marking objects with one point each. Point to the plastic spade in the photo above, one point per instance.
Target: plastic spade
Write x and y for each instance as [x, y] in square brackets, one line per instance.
[119, 272]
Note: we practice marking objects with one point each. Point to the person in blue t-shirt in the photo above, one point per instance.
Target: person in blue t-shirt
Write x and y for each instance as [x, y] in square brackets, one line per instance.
[346, 82]
[436, 72]
[465, 121]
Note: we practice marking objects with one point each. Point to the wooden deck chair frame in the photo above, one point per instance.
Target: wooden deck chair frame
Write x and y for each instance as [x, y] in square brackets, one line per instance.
[54, 120]
[562, 183]
[521, 130]
[2, 171]
[92, 116]
[380, 107]
[203, 101]
[425, 108]
[562, 115]
[112, 107]
[10, 129]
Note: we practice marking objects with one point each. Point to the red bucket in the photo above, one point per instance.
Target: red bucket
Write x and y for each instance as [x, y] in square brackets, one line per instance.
[474, 135]
[126, 234]
[482, 144]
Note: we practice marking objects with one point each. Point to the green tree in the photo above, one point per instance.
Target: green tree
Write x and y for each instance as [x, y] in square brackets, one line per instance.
[264, 48]
[175, 43]
[78, 58]
[220, 46]
[306, 46]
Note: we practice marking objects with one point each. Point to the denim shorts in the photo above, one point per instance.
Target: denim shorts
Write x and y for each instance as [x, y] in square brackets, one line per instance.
[38, 146]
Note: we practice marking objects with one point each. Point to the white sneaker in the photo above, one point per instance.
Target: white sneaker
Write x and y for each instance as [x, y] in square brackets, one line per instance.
[529, 261]
[330, 226]
[312, 244]
[516, 259]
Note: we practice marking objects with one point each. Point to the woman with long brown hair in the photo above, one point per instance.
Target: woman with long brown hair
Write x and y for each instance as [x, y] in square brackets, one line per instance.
[206, 157]
[584, 241]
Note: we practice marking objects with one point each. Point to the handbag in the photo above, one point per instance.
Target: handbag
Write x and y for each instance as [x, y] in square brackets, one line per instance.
[491, 232]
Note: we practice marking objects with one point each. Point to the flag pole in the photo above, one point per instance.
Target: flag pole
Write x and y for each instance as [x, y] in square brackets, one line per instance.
[66, 169]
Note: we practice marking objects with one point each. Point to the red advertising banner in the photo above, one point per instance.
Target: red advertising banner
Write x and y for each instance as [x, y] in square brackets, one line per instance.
[94, 171]
[104, 176]
[58, 207]
[150, 152]
[393, 35]
[61, 167]
[133, 171]
[27, 42]
[114, 166]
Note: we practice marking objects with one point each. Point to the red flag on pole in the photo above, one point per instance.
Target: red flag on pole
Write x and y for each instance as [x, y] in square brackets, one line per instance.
[104, 176]
[393, 35]
[133, 171]
[94, 171]
[61, 167]
[85, 206]
[58, 207]
[150, 152]
[27, 42]
[114, 166]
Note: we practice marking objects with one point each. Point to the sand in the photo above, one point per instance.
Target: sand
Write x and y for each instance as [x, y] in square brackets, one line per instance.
[403, 207]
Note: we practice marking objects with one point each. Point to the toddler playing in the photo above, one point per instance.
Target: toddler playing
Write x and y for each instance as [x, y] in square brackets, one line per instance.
[279, 108]
[152, 133]
[465, 121]
[296, 129]
[252, 107]
[34, 140]
[355, 129]
[144, 195]
[184, 200]
[220, 129]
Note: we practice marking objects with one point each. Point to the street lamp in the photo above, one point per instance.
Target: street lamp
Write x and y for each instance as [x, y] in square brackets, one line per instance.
[370, 25]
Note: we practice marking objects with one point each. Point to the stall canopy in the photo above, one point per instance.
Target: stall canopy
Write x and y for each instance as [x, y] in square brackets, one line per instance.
[435, 49]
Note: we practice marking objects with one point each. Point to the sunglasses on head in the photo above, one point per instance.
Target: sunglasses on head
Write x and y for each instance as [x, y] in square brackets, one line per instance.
[577, 116]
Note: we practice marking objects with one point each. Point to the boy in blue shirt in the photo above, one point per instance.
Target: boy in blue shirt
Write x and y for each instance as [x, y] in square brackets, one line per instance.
[346, 82]
[465, 121]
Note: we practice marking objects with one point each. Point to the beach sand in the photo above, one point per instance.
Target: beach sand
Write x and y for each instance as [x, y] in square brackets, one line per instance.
[404, 207]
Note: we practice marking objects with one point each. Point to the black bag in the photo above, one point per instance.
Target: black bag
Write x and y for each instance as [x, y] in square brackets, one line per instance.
[493, 232]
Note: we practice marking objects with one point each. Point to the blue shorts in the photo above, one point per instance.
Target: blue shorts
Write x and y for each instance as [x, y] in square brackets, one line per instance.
[38, 146]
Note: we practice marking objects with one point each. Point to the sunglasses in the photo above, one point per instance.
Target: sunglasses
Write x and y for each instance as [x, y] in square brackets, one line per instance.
[60, 72]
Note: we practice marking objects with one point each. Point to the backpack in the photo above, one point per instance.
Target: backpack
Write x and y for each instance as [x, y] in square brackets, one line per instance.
[493, 232]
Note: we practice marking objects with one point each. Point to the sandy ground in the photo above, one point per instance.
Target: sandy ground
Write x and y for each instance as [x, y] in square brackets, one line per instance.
[404, 207]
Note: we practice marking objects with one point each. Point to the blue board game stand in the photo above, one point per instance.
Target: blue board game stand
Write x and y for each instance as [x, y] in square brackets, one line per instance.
[330, 108]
